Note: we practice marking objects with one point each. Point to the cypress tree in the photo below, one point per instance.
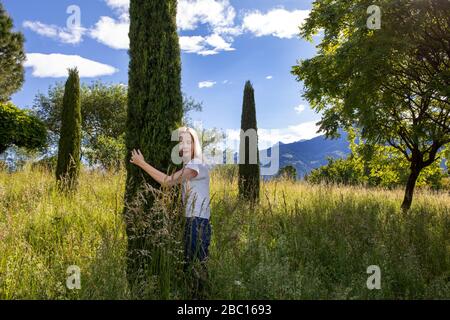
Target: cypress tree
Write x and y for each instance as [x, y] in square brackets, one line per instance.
[69, 150]
[154, 111]
[249, 171]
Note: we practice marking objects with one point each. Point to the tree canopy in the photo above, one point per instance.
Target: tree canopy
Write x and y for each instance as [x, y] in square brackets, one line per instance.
[393, 82]
[12, 56]
[20, 128]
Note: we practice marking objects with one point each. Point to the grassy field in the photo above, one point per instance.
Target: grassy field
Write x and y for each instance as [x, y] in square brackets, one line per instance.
[301, 242]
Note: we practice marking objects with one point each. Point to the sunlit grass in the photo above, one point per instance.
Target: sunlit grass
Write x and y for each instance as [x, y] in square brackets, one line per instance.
[300, 242]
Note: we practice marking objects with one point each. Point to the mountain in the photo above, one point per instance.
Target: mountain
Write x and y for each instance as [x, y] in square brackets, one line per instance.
[306, 155]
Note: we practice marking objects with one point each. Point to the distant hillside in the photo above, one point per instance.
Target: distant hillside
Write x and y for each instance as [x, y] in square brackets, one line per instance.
[306, 155]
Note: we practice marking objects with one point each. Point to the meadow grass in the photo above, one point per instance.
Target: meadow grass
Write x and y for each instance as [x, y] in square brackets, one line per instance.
[300, 242]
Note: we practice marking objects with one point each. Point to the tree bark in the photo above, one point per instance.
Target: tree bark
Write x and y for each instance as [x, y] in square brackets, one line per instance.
[410, 185]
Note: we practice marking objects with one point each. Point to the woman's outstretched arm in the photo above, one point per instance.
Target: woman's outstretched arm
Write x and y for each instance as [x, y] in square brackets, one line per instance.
[138, 159]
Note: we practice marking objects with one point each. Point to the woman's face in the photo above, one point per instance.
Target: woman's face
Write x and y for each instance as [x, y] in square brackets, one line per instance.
[186, 146]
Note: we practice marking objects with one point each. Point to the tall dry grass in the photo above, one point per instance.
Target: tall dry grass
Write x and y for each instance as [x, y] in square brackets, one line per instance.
[300, 242]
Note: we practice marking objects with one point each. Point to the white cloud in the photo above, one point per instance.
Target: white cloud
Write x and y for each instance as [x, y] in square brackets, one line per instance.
[208, 52]
[277, 22]
[305, 130]
[73, 35]
[218, 43]
[209, 45]
[216, 13]
[300, 108]
[192, 44]
[112, 32]
[269, 137]
[118, 4]
[206, 84]
[55, 66]
[269, 77]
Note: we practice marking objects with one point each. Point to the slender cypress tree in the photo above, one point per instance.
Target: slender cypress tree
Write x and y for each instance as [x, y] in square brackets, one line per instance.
[249, 170]
[154, 111]
[69, 151]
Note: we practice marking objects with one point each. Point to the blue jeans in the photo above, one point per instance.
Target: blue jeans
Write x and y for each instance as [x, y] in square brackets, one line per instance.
[197, 237]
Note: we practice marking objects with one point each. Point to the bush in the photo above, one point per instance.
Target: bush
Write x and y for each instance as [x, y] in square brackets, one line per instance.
[228, 172]
[108, 152]
[20, 128]
[47, 163]
[384, 168]
[339, 171]
[288, 172]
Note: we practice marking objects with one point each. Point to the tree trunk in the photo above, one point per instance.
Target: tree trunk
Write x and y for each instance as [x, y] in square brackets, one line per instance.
[409, 190]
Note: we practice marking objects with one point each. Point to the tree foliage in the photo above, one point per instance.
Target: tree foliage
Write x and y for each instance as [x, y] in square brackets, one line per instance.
[69, 147]
[375, 166]
[109, 152]
[155, 110]
[103, 110]
[12, 56]
[20, 128]
[249, 173]
[104, 114]
[393, 83]
[288, 172]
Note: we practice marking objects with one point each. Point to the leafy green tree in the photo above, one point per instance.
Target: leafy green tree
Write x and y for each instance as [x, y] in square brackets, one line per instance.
[374, 165]
[249, 170]
[20, 128]
[288, 172]
[109, 152]
[337, 171]
[103, 111]
[190, 105]
[155, 110]
[104, 114]
[47, 163]
[69, 148]
[12, 56]
[393, 83]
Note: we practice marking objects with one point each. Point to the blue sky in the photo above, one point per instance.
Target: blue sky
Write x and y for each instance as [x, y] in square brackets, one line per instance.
[224, 43]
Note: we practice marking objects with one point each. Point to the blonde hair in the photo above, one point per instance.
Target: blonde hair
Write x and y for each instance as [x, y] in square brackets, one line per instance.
[198, 155]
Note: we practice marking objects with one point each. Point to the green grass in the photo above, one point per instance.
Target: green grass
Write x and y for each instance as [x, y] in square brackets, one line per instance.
[301, 241]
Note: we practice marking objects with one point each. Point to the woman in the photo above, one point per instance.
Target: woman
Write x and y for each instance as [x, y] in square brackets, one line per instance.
[194, 177]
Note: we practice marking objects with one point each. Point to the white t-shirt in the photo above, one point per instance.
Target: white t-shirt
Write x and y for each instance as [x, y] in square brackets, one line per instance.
[197, 191]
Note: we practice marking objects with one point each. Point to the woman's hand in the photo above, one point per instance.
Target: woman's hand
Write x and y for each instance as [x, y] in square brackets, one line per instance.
[137, 158]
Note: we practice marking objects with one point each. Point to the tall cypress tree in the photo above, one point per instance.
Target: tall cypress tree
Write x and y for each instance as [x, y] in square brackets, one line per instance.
[69, 151]
[154, 109]
[249, 171]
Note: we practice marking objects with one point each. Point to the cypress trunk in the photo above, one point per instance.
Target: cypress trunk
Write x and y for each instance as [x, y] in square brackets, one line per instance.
[69, 149]
[154, 111]
[249, 170]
